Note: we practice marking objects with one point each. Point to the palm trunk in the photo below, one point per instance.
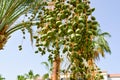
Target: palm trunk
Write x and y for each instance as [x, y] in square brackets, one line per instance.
[3, 37]
[56, 67]
[3, 40]
[2, 45]
[93, 72]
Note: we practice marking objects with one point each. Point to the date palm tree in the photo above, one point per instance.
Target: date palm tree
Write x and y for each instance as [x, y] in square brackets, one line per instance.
[29, 76]
[20, 77]
[70, 28]
[10, 11]
[101, 45]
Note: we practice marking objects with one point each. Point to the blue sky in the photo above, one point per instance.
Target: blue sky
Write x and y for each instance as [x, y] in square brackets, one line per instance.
[14, 62]
[108, 14]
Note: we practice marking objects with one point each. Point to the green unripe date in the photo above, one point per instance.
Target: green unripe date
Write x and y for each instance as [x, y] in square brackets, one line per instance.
[93, 18]
[58, 23]
[70, 31]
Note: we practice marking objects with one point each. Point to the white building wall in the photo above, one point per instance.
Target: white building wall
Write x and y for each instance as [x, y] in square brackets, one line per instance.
[110, 76]
[105, 75]
[113, 78]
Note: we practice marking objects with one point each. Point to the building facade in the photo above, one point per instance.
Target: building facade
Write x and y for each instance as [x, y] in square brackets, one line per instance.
[110, 76]
[104, 73]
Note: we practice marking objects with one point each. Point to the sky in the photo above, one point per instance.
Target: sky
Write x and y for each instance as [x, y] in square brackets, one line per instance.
[108, 14]
[14, 62]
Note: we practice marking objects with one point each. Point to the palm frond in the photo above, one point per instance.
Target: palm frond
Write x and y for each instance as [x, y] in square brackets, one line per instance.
[20, 26]
[11, 10]
[46, 76]
[101, 45]
[105, 34]
[46, 65]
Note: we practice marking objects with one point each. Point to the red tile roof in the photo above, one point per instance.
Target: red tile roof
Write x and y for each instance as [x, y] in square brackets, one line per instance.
[114, 75]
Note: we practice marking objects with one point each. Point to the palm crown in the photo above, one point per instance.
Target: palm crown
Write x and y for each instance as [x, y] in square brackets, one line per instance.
[10, 11]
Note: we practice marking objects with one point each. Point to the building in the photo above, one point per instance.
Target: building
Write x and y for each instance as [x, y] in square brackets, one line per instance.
[110, 76]
[104, 73]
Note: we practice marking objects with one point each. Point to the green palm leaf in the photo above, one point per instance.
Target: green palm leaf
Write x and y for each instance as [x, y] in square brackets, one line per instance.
[101, 45]
[10, 11]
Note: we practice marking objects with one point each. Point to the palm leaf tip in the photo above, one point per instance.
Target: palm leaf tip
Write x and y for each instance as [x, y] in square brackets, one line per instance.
[45, 63]
[46, 76]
